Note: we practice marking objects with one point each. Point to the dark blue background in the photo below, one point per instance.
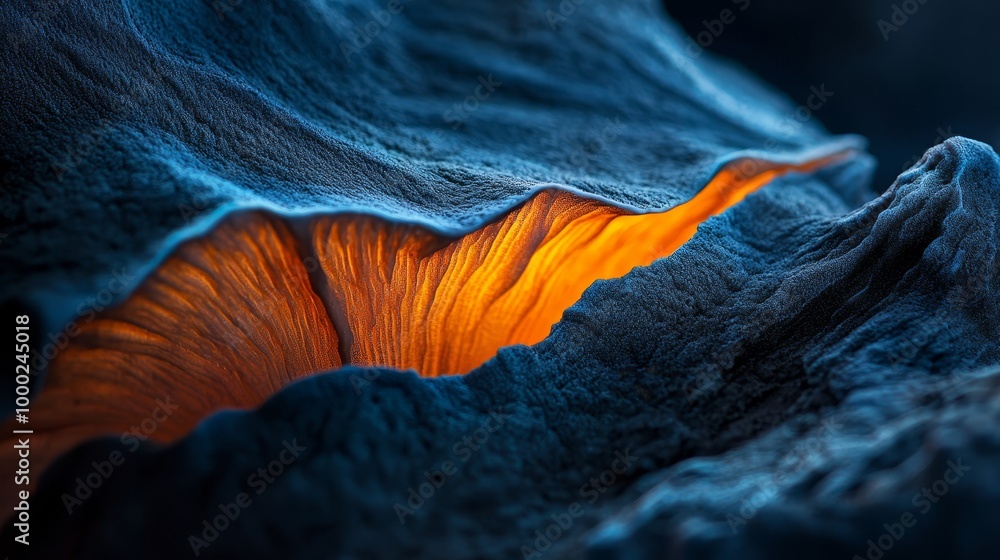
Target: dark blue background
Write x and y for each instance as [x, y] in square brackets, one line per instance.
[935, 76]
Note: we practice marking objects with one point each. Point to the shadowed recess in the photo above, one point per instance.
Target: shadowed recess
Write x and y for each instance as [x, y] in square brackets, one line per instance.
[261, 299]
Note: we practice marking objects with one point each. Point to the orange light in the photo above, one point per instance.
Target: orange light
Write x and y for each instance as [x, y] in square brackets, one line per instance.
[231, 317]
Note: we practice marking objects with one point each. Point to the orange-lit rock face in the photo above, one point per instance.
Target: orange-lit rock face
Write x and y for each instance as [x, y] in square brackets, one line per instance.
[404, 297]
[262, 300]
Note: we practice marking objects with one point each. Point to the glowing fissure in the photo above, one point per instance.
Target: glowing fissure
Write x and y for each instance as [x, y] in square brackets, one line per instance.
[232, 316]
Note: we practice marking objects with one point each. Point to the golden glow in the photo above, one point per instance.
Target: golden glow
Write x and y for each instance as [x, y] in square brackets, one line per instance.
[223, 323]
[412, 300]
[231, 317]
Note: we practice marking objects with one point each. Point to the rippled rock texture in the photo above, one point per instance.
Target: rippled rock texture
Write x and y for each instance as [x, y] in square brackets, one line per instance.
[767, 362]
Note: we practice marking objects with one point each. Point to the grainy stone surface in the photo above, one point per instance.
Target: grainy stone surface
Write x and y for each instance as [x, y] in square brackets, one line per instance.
[784, 385]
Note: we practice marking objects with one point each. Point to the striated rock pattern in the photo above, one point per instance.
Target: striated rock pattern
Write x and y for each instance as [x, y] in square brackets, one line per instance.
[809, 373]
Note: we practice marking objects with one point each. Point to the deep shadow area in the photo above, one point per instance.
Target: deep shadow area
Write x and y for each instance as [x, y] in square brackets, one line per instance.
[925, 73]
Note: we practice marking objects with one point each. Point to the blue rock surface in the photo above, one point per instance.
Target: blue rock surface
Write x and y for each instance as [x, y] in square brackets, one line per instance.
[812, 372]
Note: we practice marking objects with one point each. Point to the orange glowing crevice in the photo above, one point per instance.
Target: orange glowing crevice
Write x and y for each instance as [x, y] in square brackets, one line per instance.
[234, 315]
